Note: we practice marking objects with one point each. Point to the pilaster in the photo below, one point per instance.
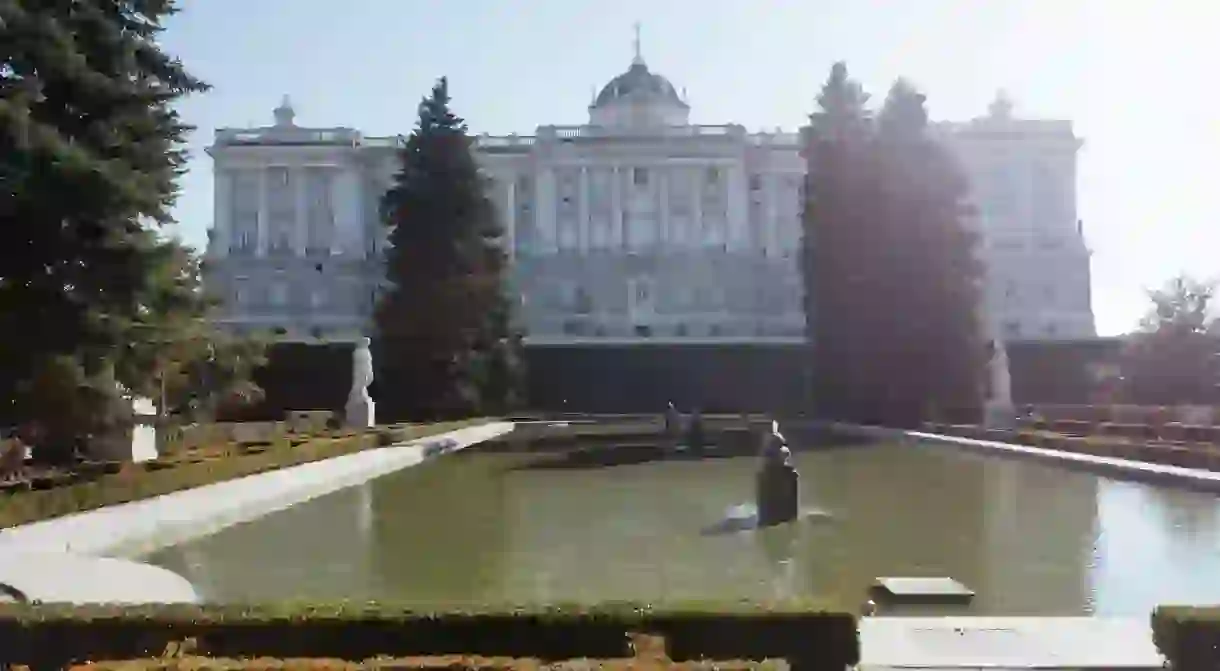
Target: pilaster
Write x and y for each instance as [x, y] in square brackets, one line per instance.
[544, 205]
[222, 212]
[300, 230]
[618, 238]
[510, 217]
[264, 215]
[583, 231]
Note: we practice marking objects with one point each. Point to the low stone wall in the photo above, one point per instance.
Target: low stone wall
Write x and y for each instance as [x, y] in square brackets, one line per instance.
[1191, 415]
[1174, 476]
[137, 528]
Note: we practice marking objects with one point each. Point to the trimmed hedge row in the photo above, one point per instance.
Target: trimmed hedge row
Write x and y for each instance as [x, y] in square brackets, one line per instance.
[1204, 456]
[447, 663]
[53, 636]
[1155, 415]
[1188, 637]
[1167, 431]
[94, 486]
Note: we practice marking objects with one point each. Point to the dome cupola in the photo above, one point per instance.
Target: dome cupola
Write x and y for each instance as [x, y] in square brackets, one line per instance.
[639, 98]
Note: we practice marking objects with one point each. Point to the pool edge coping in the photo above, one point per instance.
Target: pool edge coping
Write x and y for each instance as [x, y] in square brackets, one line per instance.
[1128, 469]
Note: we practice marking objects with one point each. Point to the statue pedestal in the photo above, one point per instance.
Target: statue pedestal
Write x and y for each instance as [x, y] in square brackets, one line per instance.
[999, 415]
[359, 413]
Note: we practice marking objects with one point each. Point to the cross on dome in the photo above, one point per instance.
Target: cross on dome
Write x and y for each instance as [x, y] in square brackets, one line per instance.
[639, 58]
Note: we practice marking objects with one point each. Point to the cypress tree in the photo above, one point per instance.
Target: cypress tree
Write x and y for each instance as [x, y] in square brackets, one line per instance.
[444, 324]
[836, 156]
[891, 277]
[928, 296]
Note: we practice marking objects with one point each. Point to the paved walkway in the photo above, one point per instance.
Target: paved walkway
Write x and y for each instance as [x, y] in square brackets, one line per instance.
[999, 643]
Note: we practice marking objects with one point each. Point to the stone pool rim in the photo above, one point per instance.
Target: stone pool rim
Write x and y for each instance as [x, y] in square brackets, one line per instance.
[1194, 479]
[135, 528]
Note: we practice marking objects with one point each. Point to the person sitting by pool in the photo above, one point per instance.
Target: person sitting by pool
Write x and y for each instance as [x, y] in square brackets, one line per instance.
[694, 431]
[778, 482]
[673, 423]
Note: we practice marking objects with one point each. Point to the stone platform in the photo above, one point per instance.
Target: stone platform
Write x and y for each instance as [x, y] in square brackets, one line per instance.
[1000, 643]
[57, 577]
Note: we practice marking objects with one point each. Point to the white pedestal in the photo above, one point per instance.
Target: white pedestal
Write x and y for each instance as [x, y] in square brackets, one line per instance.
[999, 415]
[360, 413]
[144, 433]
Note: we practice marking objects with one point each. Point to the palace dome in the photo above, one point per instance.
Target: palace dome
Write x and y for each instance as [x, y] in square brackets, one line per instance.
[638, 82]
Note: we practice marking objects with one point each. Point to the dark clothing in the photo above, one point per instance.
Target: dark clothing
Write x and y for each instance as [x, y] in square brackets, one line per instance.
[778, 493]
[673, 422]
[694, 433]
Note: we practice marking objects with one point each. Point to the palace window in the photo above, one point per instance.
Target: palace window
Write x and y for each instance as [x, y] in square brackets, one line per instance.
[279, 294]
[755, 183]
[713, 176]
[640, 176]
[279, 176]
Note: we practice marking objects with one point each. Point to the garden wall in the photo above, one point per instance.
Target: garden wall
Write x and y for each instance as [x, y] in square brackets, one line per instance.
[643, 377]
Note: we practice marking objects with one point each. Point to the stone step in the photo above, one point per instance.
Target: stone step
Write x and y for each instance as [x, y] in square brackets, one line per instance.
[997, 643]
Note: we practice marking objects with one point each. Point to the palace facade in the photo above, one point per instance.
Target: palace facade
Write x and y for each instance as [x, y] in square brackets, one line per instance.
[636, 227]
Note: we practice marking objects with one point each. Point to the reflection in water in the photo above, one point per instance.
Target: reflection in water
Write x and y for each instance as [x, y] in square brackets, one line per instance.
[1028, 538]
[1155, 545]
[315, 549]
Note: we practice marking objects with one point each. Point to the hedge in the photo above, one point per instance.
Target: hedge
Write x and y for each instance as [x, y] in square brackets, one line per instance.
[1188, 637]
[445, 663]
[97, 485]
[1198, 455]
[53, 636]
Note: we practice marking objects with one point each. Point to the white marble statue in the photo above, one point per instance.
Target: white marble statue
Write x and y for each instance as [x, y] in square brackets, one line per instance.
[359, 409]
[1001, 378]
[1000, 411]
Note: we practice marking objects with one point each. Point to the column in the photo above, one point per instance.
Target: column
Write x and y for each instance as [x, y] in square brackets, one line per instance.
[737, 210]
[663, 208]
[510, 216]
[583, 231]
[348, 234]
[300, 231]
[617, 236]
[222, 211]
[696, 230]
[772, 233]
[544, 205]
[264, 214]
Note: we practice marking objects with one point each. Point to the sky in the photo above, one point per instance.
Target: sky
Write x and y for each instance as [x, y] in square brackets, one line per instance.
[1137, 79]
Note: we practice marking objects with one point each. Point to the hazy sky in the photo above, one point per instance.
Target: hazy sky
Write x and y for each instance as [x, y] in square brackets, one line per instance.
[1138, 78]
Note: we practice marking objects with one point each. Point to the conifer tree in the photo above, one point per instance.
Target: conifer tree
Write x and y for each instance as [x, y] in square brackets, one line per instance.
[836, 155]
[446, 339]
[929, 290]
[891, 276]
[90, 153]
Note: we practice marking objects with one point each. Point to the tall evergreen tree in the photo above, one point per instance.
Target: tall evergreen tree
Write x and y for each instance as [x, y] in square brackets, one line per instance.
[90, 154]
[928, 294]
[445, 327]
[892, 294]
[837, 172]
